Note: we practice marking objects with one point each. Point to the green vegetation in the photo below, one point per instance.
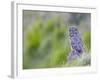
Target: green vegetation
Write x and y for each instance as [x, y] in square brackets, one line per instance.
[46, 44]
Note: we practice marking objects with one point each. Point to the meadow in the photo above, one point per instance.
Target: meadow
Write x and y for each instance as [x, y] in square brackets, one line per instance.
[46, 42]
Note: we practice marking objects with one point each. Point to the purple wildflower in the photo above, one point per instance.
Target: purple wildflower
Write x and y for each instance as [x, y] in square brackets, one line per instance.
[76, 43]
[72, 55]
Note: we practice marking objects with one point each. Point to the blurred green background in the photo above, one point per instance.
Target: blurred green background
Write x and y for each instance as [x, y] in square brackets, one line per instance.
[46, 41]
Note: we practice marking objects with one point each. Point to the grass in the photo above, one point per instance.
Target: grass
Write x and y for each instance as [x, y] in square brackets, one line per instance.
[46, 45]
